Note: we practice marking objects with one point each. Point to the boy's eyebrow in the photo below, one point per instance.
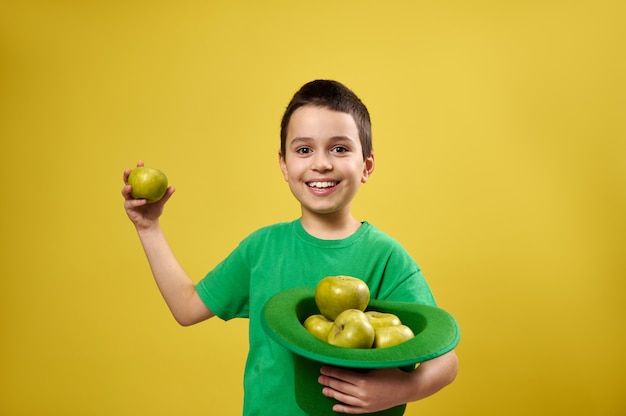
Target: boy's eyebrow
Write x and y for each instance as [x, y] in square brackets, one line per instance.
[342, 138]
[301, 139]
[306, 139]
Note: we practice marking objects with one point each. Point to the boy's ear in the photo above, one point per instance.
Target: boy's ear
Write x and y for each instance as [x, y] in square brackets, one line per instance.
[283, 165]
[368, 167]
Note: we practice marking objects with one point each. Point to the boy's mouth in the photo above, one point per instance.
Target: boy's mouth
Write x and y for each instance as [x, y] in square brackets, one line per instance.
[322, 184]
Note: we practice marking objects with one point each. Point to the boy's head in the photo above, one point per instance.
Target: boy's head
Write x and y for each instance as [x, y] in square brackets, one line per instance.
[334, 96]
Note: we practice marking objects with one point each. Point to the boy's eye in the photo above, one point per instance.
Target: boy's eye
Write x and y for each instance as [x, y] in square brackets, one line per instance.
[303, 150]
[340, 149]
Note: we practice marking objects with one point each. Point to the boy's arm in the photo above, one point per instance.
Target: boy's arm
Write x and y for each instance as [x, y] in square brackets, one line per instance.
[382, 389]
[178, 290]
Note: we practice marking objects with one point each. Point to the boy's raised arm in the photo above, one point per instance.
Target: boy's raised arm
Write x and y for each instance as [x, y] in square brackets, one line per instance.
[178, 290]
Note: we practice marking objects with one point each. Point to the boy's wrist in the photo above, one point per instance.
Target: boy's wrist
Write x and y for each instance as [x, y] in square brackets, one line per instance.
[147, 230]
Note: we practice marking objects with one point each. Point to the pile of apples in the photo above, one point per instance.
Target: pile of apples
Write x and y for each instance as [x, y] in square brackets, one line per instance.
[343, 320]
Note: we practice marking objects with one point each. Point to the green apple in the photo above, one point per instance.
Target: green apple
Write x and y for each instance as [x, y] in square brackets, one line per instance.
[335, 294]
[318, 325]
[388, 336]
[147, 183]
[352, 329]
[380, 319]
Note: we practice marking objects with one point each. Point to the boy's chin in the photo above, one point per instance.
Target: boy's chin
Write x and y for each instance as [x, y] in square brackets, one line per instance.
[325, 212]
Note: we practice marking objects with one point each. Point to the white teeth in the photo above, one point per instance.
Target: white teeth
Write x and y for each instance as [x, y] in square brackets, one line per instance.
[322, 184]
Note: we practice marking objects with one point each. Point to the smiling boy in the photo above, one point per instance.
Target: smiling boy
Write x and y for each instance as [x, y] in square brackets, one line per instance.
[322, 162]
[326, 154]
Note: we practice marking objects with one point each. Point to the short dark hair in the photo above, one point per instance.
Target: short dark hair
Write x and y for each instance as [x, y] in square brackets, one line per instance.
[334, 96]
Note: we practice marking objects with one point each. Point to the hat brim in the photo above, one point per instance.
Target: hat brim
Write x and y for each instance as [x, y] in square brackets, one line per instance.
[436, 332]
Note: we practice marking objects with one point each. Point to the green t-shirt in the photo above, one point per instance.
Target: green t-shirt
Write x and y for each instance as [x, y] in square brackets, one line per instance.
[284, 256]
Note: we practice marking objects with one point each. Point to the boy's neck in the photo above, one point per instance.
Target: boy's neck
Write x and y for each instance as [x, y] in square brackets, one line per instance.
[328, 226]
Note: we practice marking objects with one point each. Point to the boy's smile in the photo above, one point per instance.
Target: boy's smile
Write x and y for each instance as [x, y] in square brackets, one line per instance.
[322, 187]
[323, 162]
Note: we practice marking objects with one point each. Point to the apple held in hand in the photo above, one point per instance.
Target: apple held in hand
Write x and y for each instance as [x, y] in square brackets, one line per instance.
[388, 336]
[352, 329]
[381, 319]
[335, 294]
[147, 183]
[319, 326]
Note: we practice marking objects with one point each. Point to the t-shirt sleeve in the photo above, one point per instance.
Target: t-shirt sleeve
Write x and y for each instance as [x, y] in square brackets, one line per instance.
[414, 288]
[403, 280]
[226, 289]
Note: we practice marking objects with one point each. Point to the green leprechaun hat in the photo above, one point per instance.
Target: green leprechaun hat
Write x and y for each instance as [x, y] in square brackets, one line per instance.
[436, 333]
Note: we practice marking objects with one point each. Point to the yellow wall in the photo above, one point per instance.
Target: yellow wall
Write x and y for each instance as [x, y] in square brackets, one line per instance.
[501, 150]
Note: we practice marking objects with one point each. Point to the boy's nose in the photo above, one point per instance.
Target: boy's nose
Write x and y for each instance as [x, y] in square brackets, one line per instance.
[321, 163]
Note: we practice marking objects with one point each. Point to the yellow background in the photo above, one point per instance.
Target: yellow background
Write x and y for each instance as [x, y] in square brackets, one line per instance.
[501, 166]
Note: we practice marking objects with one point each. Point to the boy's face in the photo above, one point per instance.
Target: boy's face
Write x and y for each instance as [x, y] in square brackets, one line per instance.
[323, 162]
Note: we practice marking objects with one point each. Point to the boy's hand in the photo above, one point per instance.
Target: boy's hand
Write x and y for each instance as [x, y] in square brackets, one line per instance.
[364, 392]
[142, 214]
[367, 392]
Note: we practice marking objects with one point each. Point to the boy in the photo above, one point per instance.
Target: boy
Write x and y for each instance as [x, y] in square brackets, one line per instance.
[325, 155]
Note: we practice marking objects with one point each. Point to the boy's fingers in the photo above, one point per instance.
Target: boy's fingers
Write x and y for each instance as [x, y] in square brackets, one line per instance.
[125, 175]
[128, 170]
[134, 203]
[168, 194]
[126, 193]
